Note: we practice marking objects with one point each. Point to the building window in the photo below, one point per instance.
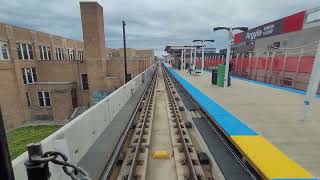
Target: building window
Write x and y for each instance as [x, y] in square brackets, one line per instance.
[44, 98]
[71, 54]
[28, 99]
[84, 82]
[45, 53]
[80, 55]
[4, 53]
[59, 54]
[29, 75]
[25, 51]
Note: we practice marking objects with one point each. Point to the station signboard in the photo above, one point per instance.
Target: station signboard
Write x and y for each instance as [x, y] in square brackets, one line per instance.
[285, 25]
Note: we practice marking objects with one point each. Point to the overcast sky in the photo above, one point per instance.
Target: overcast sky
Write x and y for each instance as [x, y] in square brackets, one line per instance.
[151, 23]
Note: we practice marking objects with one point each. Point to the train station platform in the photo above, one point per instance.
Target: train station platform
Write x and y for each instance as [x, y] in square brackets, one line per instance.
[274, 113]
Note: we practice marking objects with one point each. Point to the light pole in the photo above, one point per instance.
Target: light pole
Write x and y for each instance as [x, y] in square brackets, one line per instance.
[182, 60]
[203, 45]
[126, 78]
[230, 35]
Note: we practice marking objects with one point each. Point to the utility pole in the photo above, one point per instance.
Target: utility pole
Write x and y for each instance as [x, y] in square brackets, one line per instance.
[6, 171]
[202, 56]
[126, 79]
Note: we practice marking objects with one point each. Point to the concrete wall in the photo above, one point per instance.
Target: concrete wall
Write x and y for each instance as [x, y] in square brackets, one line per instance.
[85, 128]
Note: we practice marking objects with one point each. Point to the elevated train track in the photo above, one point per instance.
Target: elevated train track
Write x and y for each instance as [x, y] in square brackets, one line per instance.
[135, 151]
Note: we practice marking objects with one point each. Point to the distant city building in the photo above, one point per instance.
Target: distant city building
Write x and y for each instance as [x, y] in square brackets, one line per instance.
[47, 77]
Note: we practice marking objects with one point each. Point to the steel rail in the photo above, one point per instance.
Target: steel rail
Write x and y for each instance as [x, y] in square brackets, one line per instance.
[178, 118]
[145, 117]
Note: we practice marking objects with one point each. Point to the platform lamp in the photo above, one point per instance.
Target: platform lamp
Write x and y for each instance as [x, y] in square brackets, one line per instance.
[203, 45]
[230, 36]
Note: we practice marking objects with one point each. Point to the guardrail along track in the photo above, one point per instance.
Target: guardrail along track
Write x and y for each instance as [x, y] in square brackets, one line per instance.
[135, 162]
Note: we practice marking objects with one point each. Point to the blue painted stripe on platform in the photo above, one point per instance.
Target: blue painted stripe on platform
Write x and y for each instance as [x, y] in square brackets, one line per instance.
[297, 91]
[228, 122]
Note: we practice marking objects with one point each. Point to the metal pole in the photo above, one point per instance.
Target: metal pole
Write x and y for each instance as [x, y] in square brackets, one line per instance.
[191, 59]
[312, 86]
[271, 65]
[284, 68]
[266, 67]
[298, 67]
[202, 57]
[256, 67]
[194, 60]
[249, 67]
[124, 52]
[236, 64]
[181, 60]
[6, 171]
[241, 63]
[226, 73]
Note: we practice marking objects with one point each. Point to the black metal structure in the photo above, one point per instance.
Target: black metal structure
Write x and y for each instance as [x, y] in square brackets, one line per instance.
[6, 171]
[126, 77]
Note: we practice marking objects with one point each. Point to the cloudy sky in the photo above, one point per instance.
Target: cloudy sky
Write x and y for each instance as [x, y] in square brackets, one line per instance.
[151, 23]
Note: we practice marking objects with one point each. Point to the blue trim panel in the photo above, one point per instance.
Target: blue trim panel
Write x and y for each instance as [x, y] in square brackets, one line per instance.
[297, 91]
[229, 123]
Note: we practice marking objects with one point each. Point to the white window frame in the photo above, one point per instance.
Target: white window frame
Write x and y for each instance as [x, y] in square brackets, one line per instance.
[44, 50]
[22, 52]
[71, 54]
[82, 81]
[44, 98]
[80, 55]
[28, 51]
[59, 54]
[28, 99]
[2, 47]
[32, 77]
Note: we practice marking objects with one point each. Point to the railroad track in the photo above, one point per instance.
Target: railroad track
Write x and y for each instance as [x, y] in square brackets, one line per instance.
[135, 162]
[190, 160]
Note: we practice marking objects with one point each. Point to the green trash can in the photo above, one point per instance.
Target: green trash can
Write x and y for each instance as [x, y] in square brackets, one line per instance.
[220, 77]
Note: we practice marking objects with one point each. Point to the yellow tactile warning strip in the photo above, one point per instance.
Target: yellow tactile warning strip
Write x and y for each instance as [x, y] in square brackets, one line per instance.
[268, 159]
[161, 155]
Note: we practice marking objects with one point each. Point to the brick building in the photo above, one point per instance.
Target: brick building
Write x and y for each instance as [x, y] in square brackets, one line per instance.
[44, 76]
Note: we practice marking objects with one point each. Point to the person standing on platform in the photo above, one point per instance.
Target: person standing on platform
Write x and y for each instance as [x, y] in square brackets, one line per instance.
[230, 69]
[190, 69]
